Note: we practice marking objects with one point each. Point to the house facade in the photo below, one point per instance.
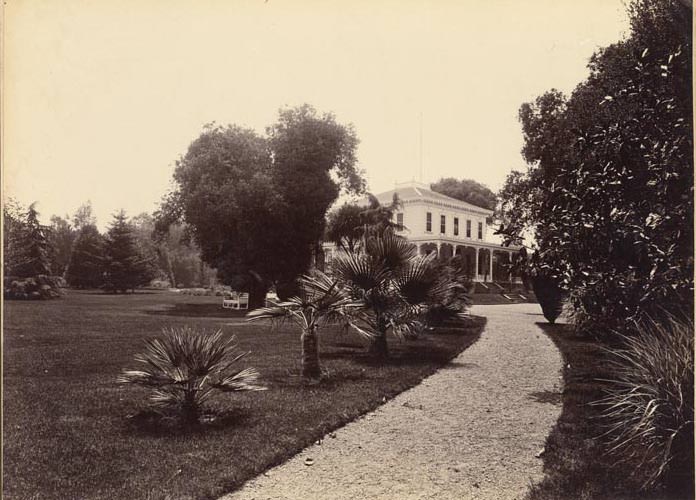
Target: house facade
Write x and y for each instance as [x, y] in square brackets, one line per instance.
[447, 226]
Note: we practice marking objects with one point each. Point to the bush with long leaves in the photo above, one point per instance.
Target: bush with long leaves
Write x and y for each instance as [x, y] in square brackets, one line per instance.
[185, 366]
[650, 404]
[320, 301]
[393, 284]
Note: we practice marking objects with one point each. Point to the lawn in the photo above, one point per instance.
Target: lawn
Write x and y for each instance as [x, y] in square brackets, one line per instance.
[69, 430]
[575, 464]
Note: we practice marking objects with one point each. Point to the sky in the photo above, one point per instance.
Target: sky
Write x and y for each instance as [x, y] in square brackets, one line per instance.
[101, 97]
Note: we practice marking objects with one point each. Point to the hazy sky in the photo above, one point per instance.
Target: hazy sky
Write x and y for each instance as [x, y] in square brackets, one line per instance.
[102, 96]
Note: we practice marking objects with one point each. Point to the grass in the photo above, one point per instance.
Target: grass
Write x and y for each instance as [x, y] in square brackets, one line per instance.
[575, 464]
[69, 430]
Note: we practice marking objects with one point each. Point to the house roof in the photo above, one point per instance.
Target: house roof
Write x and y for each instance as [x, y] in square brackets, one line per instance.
[412, 191]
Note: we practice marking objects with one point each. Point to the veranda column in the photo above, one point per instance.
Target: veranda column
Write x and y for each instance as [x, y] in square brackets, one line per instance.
[438, 248]
[476, 272]
[490, 265]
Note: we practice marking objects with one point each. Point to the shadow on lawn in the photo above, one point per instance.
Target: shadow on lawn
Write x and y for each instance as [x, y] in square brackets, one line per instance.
[397, 357]
[153, 424]
[196, 310]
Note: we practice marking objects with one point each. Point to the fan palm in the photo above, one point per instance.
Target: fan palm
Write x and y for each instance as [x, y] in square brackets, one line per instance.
[185, 366]
[393, 284]
[321, 301]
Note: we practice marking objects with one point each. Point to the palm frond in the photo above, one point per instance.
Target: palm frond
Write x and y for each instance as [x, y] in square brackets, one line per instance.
[184, 365]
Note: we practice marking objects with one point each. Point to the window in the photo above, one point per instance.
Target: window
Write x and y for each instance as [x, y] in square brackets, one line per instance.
[400, 220]
[442, 224]
[428, 222]
[456, 226]
[468, 229]
[480, 235]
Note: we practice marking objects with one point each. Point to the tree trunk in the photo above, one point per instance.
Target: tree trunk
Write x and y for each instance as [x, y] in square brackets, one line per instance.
[257, 296]
[310, 354]
[378, 346]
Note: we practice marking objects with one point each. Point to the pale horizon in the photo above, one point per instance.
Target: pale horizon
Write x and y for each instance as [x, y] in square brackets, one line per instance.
[101, 98]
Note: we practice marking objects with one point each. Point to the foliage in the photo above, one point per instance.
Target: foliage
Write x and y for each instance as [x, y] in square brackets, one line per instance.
[33, 288]
[348, 225]
[650, 404]
[180, 258]
[256, 205]
[61, 237]
[86, 267]
[608, 194]
[393, 285]
[453, 299]
[84, 216]
[186, 366]
[466, 190]
[31, 247]
[125, 268]
[13, 230]
[344, 226]
[321, 301]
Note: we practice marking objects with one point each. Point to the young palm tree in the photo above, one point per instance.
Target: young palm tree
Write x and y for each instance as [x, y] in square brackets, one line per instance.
[321, 301]
[393, 285]
[185, 366]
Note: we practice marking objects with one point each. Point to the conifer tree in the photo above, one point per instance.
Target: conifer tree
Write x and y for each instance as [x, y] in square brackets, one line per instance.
[86, 268]
[34, 247]
[125, 268]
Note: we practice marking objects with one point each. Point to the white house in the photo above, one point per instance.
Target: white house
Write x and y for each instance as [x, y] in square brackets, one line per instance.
[437, 223]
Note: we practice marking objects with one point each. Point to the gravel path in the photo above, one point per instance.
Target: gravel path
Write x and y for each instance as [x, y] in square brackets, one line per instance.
[470, 431]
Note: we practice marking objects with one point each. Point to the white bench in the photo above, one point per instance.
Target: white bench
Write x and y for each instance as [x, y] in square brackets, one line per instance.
[238, 301]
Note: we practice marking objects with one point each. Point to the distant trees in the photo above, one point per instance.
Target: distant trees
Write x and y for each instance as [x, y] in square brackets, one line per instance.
[466, 190]
[31, 248]
[13, 227]
[86, 267]
[180, 259]
[27, 252]
[61, 237]
[256, 205]
[72, 248]
[125, 267]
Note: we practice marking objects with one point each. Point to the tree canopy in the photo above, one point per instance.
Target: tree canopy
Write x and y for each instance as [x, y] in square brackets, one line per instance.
[608, 193]
[256, 205]
[466, 190]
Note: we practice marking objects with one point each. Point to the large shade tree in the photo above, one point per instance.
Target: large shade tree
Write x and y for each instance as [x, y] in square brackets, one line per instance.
[609, 190]
[256, 205]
